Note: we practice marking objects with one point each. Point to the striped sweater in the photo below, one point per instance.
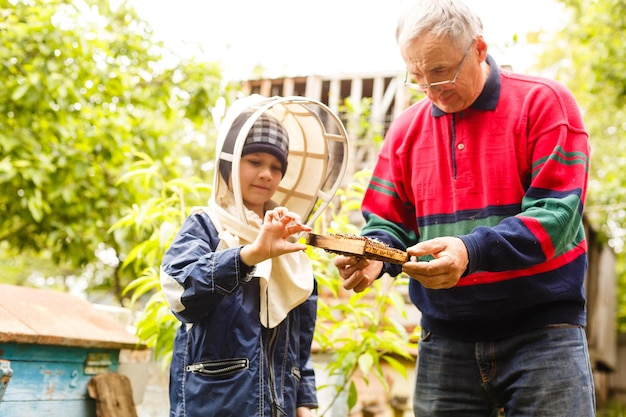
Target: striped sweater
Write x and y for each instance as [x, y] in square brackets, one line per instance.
[508, 176]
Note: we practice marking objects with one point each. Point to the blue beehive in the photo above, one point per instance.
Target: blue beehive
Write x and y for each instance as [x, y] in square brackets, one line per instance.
[51, 345]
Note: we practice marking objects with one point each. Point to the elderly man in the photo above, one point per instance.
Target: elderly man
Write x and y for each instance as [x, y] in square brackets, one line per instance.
[483, 183]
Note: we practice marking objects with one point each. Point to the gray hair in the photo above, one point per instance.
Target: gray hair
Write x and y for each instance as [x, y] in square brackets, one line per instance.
[442, 18]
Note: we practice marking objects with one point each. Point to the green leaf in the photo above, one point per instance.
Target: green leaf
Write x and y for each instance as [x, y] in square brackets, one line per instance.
[352, 396]
[366, 361]
[396, 365]
[20, 92]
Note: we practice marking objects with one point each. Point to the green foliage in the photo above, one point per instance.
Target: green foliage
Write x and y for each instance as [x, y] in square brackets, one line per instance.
[69, 107]
[361, 330]
[366, 138]
[621, 293]
[589, 57]
[157, 325]
[362, 333]
[85, 90]
[153, 223]
[612, 409]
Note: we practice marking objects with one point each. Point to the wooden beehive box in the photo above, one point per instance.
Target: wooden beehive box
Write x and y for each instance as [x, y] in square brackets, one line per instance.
[55, 344]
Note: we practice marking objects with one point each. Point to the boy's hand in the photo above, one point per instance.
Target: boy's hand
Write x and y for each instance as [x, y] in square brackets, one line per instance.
[278, 225]
[304, 412]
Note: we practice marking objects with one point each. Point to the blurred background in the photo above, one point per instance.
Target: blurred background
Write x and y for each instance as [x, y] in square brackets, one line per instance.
[108, 117]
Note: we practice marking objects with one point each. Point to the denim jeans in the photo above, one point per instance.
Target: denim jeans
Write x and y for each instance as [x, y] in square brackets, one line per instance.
[542, 373]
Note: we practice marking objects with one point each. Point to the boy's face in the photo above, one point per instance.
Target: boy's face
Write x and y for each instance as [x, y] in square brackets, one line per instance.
[260, 173]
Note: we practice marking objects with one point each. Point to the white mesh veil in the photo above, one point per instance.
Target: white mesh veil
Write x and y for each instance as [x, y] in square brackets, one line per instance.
[318, 152]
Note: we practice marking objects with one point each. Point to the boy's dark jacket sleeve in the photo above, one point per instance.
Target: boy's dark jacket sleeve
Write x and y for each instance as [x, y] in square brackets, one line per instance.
[194, 277]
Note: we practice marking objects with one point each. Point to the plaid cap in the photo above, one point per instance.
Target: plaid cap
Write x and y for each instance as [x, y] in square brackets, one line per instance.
[268, 135]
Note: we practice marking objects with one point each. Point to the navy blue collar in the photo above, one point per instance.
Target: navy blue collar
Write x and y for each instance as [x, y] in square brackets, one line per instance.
[488, 98]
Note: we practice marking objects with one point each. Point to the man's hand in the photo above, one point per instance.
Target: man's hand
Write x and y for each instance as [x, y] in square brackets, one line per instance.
[357, 273]
[451, 260]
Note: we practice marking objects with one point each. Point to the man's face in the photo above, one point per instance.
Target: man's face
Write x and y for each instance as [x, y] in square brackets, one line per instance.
[450, 77]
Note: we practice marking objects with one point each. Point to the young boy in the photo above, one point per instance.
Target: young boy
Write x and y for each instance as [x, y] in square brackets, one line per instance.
[241, 285]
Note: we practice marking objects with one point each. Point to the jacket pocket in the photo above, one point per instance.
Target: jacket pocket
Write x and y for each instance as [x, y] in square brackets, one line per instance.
[221, 367]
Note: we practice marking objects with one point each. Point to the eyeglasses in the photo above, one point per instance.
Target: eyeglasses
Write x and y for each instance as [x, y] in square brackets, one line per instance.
[425, 87]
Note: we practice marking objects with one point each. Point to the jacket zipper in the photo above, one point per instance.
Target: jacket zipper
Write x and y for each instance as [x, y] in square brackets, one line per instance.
[271, 344]
[206, 368]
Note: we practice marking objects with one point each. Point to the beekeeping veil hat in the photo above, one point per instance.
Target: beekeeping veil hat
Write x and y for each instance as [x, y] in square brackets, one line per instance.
[265, 135]
[317, 158]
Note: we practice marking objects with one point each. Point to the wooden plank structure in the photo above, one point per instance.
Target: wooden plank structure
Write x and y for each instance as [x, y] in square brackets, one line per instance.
[55, 343]
[110, 390]
[359, 246]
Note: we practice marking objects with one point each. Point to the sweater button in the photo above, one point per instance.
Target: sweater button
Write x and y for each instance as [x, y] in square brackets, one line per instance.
[460, 146]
